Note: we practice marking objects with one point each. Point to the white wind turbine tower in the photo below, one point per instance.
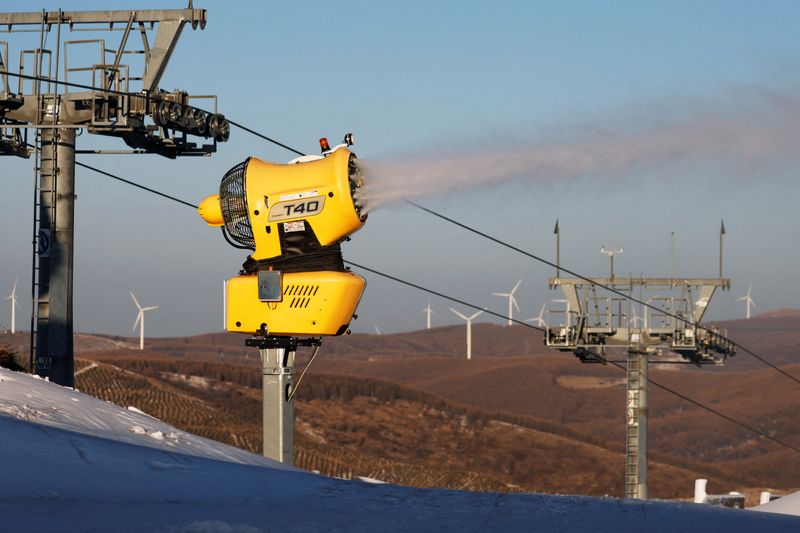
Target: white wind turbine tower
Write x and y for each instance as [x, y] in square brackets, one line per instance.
[429, 312]
[14, 305]
[469, 320]
[512, 302]
[748, 299]
[539, 319]
[140, 320]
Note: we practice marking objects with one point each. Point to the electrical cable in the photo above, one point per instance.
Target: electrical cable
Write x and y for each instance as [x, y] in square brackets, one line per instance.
[134, 184]
[303, 373]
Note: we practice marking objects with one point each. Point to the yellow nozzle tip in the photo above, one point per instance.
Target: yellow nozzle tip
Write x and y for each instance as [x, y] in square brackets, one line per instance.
[211, 211]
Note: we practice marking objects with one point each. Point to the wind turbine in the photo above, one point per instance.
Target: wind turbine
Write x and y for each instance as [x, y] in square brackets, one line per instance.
[377, 329]
[539, 318]
[748, 299]
[14, 305]
[512, 302]
[140, 320]
[429, 312]
[635, 319]
[566, 312]
[469, 320]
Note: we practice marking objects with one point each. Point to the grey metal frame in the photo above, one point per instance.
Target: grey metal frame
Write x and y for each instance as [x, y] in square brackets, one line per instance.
[277, 369]
[598, 321]
[107, 107]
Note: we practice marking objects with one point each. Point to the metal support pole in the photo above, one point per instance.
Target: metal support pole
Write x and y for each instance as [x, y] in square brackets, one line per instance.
[557, 232]
[636, 427]
[721, 234]
[54, 349]
[612, 267]
[672, 259]
[277, 368]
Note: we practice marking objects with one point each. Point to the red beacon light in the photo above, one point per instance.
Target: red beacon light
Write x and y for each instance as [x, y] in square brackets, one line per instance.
[323, 145]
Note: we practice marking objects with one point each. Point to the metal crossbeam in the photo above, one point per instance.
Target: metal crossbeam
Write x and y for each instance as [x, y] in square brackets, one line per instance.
[144, 16]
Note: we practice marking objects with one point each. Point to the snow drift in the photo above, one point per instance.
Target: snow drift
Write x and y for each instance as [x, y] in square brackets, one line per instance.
[75, 463]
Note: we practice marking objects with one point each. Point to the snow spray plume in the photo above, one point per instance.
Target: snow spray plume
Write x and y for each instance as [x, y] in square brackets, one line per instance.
[762, 129]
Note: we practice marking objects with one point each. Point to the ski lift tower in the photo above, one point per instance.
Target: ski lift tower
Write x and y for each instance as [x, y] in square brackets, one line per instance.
[598, 322]
[87, 83]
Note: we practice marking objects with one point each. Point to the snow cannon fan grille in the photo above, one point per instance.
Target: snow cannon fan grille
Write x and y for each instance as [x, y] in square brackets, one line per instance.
[234, 205]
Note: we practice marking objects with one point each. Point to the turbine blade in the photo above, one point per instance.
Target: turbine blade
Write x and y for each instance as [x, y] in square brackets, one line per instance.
[516, 286]
[475, 315]
[138, 318]
[151, 308]
[503, 294]
[514, 301]
[136, 301]
[464, 317]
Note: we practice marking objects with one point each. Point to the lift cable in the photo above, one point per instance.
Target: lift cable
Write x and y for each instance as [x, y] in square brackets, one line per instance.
[444, 296]
[436, 214]
[500, 315]
[712, 410]
[613, 363]
[443, 217]
[600, 285]
[134, 184]
[262, 136]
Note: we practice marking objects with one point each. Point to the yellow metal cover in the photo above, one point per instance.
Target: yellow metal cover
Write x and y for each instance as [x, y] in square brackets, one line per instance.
[315, 191]
[211, 211]
[314, 303]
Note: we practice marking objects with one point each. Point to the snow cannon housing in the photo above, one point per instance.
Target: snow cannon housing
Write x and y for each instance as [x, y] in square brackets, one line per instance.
[293, 217]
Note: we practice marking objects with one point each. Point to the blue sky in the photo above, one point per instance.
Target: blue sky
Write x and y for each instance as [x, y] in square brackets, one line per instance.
[418, 78]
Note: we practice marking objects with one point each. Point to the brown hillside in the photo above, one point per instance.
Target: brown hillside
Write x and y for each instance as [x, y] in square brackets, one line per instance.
[361, 427]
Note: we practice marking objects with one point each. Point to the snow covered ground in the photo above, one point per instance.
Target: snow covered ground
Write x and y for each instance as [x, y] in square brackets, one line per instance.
[789, 504]
[71, 462]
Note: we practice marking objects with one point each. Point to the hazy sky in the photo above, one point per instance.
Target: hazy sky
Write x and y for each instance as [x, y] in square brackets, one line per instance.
[625, 120]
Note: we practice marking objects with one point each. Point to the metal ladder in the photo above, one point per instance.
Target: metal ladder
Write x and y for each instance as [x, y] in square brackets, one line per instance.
[636, 427]
[44, 215]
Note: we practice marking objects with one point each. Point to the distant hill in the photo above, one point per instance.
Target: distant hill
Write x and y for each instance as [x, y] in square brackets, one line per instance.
[512, 375]
[773, 334]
